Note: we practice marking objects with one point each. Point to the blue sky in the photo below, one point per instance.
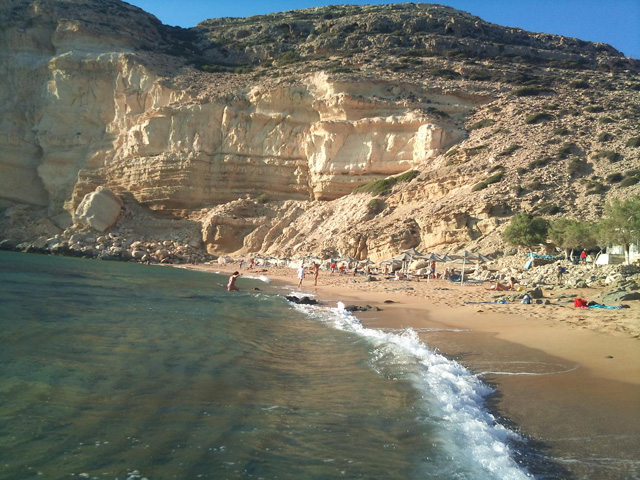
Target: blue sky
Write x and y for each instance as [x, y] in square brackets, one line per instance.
[616, 22]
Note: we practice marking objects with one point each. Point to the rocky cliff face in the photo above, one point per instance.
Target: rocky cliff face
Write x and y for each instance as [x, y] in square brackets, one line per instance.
[260, 129]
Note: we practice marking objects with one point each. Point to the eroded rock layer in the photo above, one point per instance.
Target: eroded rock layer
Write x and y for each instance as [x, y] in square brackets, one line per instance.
[262, 140]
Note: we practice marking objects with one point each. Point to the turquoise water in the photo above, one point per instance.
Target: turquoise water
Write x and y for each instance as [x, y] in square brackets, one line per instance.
[114, 370]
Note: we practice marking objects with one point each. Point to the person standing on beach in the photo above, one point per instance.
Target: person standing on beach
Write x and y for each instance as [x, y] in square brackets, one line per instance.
[301, 272]
[231, 286]
[583, 256]
[316, 272]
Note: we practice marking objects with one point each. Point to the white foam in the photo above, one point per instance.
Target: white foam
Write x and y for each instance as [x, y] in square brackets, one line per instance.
[262, 278]
[471, 432]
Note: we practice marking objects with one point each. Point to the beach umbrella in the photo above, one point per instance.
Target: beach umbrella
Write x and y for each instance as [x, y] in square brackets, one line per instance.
[412, 252]
[479, 258]
[366, 261]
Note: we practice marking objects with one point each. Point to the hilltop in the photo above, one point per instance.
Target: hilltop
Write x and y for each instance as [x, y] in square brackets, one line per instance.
[278, 134]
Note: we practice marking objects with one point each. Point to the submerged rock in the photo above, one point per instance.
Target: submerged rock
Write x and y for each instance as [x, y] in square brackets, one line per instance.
[301, 301]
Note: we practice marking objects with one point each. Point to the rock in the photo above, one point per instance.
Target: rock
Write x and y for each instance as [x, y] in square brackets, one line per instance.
[161, 253]
[536, 293]
[620, 296]
[40, 243]
[356, 308]
[99, 209]
[301, 301]
[75, 239]
[8, 244]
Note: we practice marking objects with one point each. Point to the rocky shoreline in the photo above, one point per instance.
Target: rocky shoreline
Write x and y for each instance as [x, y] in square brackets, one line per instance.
[112, 246]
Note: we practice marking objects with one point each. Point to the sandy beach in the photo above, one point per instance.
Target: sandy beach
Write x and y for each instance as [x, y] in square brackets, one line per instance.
[567, 378]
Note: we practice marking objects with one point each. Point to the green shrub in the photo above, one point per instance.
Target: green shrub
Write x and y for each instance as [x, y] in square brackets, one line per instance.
[521, 170]
[262, 198]
[509, 150]
[375, 206]
[575, 165]
[529, 91]
[444, 73]
[497, 168]
[474, 150]
[565, 150]
[632, 173]
[547, 208]
[628, 181]
[594, 109]
[579, 84]
[540, 162]
[540, 117]
[288, 57]
[452, 152]
[609, 155]
[526, 230]
[561, 131]
[484, 123]
[535, 185]
[614, 178]
[595, 188]
[380, 187]
[606, 120]
[633, 142]
[488, 181]
[605, 137]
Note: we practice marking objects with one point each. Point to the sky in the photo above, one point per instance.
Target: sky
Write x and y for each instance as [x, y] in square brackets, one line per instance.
[616, 22]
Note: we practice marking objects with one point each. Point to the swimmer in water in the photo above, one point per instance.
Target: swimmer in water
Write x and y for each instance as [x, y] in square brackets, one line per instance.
[232, 281]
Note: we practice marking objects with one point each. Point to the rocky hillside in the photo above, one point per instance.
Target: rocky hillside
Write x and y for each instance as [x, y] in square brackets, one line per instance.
[278, 134]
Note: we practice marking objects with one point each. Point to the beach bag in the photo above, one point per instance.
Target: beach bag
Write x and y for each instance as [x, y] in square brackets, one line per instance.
[526, 299]
[580, 303]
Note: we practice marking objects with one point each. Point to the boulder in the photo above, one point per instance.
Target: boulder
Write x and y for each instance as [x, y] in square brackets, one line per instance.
[99, 209]
[7, 244]
[620, 296]
[536, 293]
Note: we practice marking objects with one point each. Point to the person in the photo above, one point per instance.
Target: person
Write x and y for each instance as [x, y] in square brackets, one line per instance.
[355, 269]
[446, 274]
[231, 286]
[559, 273]
[301, 272]
[500, 287]
[251, 263]
[432, 272]
[316, 272]
[583, 256]
[333, 267]
[341, 269]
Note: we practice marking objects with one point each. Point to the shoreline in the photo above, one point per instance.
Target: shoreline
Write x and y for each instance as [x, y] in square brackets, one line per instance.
[567, 378]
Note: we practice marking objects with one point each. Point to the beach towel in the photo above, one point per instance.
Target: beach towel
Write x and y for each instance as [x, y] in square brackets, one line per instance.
[580, 303]
[610, 307]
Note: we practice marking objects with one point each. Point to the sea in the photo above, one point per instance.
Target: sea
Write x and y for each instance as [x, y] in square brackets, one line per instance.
[113, 370]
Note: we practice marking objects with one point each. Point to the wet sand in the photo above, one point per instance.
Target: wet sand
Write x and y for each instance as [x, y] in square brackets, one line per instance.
[567, 378]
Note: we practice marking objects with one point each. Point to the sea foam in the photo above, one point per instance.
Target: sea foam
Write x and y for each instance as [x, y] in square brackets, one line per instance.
[470, 432]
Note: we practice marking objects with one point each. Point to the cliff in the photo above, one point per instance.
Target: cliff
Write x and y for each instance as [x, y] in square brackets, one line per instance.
[254, 133]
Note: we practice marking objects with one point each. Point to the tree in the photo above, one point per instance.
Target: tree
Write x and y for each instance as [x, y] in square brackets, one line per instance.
[621, 224]
[572, 235]
[526, 230]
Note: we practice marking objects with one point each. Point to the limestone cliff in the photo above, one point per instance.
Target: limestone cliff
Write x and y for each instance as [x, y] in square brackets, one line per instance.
[260, 129]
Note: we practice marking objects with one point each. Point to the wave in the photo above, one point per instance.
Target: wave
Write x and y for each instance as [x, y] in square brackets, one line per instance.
[471, 432]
